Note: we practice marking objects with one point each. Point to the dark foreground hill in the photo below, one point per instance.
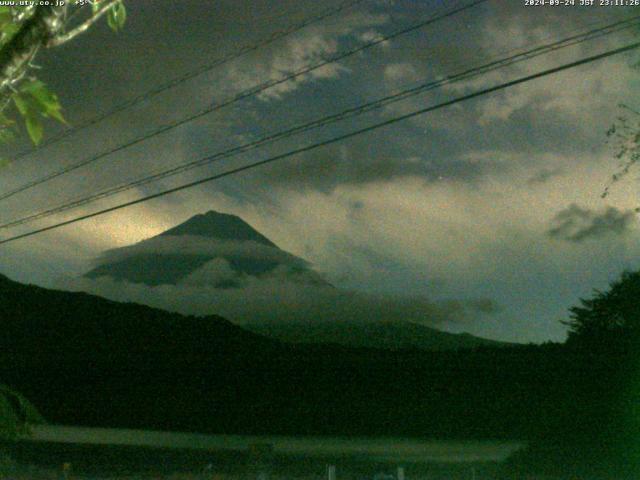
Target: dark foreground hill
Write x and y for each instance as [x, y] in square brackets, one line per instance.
[67, 324]
[84, 360]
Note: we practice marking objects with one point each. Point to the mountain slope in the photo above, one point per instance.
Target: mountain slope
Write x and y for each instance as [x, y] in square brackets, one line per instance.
[170, 257]
[379, 335]
[222, 251]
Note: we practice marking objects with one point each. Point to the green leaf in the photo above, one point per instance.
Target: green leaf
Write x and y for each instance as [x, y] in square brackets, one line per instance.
[46, 101]
[5, 18]
[34, 128]
[32, 110]
[8, 30]
[117, 16]
[21, 104]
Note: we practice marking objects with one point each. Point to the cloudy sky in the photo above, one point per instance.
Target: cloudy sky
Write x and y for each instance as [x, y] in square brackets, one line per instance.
[497, 199]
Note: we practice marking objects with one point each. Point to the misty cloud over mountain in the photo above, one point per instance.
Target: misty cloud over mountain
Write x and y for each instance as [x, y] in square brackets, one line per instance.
[216, 263]
[215, 249]
[279, 299]
[195, 256]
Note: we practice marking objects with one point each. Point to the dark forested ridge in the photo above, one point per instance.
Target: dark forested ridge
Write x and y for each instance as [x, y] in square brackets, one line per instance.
[88, 361]
[391, 335]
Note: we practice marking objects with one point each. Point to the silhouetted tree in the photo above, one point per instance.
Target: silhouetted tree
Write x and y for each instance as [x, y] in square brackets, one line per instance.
[609, 319]
[16, 414]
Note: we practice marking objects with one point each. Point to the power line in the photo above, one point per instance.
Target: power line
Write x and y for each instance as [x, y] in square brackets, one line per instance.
[275, 36]
[241, 96]
[348, 113]
[333, 140]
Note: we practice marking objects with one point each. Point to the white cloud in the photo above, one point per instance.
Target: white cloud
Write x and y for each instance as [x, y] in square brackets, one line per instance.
[372, 36]
[311, 46]
[580, 94]
[215, 272]
[399, 74]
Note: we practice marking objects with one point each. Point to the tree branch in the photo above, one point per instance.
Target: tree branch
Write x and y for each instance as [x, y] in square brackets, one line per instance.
[83, 27]
[15, 55]
[24, 14]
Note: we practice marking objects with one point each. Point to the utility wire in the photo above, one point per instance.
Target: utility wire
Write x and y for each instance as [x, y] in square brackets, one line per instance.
[241, 96]
[348, 113]
[143, 97]
[333, 140]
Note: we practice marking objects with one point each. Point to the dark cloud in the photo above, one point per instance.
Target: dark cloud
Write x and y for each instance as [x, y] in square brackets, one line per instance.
[544, 175]
[364, 159]
[485, 305]
[576, 224]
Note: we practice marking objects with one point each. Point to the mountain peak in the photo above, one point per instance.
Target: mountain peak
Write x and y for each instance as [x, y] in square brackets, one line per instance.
[173, 255]
[222, 226]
